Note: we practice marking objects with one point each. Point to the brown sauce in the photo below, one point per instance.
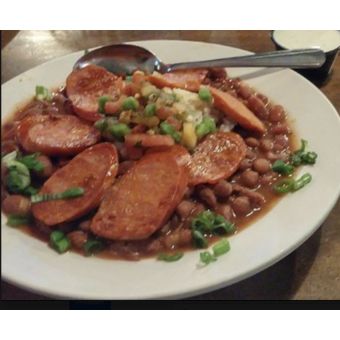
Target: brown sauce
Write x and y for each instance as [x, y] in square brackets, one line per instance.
[159, 242]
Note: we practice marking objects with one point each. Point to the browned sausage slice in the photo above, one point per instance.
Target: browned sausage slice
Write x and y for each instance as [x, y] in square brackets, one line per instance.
[236, 110]
[142, 200]
[85, 86]
[216, 157]
[180, 153]
[94, 170]
[187, 79]
[56, 135]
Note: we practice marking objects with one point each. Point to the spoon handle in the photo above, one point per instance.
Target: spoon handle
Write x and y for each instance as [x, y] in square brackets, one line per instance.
[302, 58]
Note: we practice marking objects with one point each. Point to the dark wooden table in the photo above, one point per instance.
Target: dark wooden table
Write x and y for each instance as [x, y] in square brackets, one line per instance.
[310, 272]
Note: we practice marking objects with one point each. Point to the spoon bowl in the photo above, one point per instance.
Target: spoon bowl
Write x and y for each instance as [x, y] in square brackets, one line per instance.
[124, 59]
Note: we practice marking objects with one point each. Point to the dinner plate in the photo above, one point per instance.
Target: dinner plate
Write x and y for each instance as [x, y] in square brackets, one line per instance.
[29, 263]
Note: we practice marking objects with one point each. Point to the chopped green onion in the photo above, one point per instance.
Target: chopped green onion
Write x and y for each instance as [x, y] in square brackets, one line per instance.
[9, 157]
[282, 168]
[119, 130]
[42, 93]
[56, 236]
[92, 246]
[221, 247]
[199, 239]
[59, 241]
[16, 220]
[302, 181]
[301, 157]
[206, 257]
[222, 226]
[204, 221]
[31, 162]
[18, 177]
[170, 257]
[205, 94]
[167, 129]
[290, 185]
[284, 186]
[101, 103]
[150, 110]
[29, 191]
[130, 103]
[67, 194]
[309, 157]
[207, 126]
[101, 124]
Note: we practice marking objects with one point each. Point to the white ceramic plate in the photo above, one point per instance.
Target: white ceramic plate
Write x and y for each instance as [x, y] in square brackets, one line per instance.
[29, 263]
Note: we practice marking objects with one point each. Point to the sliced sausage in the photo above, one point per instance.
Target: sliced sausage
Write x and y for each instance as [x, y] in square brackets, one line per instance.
[86, 85]
[190, 80]
[217, 157]
[94, 170]
[236, 110]
[180, 153]
[56, 135]
[146, 140]
[142, 200]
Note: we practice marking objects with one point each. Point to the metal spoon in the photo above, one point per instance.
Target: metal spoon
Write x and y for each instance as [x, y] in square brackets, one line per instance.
[124, 59]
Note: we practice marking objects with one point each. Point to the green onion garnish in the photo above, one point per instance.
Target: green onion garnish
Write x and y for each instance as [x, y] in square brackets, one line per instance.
[101, 124]
[302, 181]
[221, 247]
[92, 246]
[69, 193]
[59, 241]
[300, 157]
[205, 94]
[18, 177]
[290, 185]
[167, 129]
[130, 103]
[150, 110]
[16, 220]
[282, 168]
[101, 103]
[199, 239]
[207, 126]
[206, 257]
[31, 162]
[42, 93]
[170, 257]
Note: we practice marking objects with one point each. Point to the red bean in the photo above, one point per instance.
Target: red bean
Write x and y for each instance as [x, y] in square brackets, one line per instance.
[244, 91]
[245, 164]
[266, 144]
[267, 179]
[241, 206]
[85, 225]
[272, 156]
[263, 98]
[184, 237]
[250, 154]
[185, 208]
[171, 241]
[280, 128]
[252, 142]
[16, 205]
[256, 105]
[282, 140]
[77, 238]
[207, 195]
[48, 167]
[249, 178]
[188, 192]
[255, 198]
[276, 114]
[225, 210]
[223, 189]
[154, 246]
[261, 165]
